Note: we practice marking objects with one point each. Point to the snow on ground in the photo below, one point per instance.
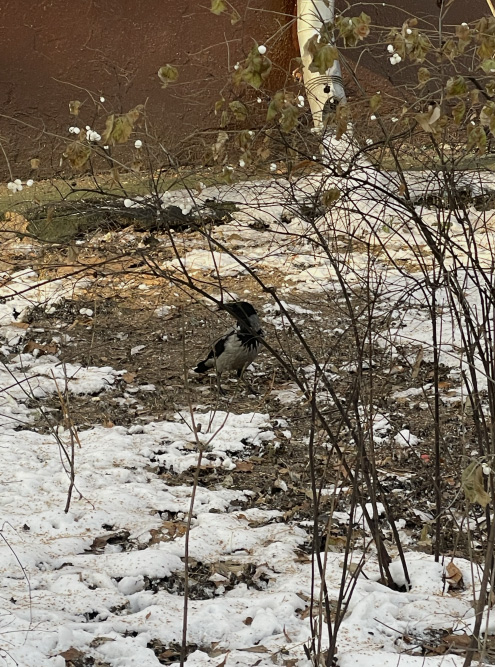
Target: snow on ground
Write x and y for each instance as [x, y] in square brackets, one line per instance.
[21, 290]
[105, 577]
[287, 246]
[52, 584]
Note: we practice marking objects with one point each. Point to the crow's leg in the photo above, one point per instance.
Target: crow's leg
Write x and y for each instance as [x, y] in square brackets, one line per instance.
[240, 375]
[221, 391]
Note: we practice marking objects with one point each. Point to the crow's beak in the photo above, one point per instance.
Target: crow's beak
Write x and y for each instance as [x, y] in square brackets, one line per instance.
[224, 307]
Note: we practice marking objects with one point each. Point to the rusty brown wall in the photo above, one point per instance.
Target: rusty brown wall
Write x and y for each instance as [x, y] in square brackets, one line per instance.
[375, 71]
[54, 51]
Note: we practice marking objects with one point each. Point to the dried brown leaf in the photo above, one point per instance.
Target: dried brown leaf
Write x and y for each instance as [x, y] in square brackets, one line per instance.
[99, 641]
[168, 74]
[218, 148]
[244, 466]
[454, 575]
[218, 6]
[99, 543]
[417, 364]
[74, 106]
[425, 538]
[472, 484]
[71, 654]
[77, 154]
[459, 641]
[118, 129]
[31, 345]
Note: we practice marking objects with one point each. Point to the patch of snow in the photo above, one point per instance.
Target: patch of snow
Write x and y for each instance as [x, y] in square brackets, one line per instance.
[406, 439]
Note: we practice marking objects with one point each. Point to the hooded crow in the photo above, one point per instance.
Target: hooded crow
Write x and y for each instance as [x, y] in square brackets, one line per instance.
[238, 348]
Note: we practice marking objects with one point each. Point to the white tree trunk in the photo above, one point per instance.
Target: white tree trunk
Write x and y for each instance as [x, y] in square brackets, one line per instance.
[320, 90]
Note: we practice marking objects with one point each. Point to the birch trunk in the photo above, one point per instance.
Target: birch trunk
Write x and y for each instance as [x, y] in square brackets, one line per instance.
[324, 92]
[328, 89]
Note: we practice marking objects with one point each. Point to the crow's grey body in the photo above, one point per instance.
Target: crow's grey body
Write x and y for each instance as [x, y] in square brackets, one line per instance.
[239, 347]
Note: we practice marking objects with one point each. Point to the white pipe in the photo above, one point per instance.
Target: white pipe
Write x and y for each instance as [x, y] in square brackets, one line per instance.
[311, 14]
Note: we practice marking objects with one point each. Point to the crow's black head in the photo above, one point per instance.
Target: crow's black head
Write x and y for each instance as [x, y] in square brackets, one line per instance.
[240, 309]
